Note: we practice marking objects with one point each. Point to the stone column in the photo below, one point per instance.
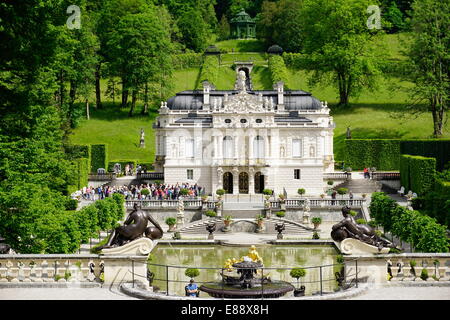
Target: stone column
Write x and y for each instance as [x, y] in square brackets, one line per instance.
[251, 181]
[235, 172]
[250, 149]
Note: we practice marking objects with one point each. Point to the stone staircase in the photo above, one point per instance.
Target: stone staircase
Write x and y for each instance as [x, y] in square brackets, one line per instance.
[360, 186]
[291, 227]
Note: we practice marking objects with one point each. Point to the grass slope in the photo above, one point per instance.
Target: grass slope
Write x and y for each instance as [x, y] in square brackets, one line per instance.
[374, 114]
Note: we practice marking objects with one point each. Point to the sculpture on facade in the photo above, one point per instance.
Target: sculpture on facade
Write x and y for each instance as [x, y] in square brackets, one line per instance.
[135, 227]
[241, 81]
[348, 228]
[142, 139]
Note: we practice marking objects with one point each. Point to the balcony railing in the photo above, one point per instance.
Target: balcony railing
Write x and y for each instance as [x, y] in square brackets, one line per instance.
[386, 175]
[102, 177]
[150, 175]
[337, 176]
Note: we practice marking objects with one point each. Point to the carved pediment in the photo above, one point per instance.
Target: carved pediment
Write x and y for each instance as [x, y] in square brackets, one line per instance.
[243, 103]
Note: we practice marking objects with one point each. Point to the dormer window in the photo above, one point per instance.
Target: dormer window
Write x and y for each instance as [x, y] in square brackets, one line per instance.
[227, 120]
[258, 121]
[243, 120]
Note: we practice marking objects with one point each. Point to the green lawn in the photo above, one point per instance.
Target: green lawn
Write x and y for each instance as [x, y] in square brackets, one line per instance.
[251, 45]
[376, 113]
[113, 127]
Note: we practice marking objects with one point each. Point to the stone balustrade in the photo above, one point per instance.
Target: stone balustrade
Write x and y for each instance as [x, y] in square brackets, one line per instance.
[169, 204]
[50, 268]
[405, 267]
[71, 268]
[318, 203]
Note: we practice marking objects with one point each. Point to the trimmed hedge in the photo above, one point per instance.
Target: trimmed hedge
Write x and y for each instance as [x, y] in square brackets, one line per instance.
[383, 154]
[419, 173]
[187, 60]
[433, 148]
[99, 157]
[209, 71]
[297, 61]
[404, 173]
[436, 203]
[278, 71]
[421, 231]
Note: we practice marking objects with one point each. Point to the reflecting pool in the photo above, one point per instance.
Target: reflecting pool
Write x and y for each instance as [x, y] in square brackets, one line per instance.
[278, 260]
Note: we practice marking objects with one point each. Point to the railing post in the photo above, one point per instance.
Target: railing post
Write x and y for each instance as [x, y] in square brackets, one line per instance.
[262, 283]
[132, 271]
[167, 279]
[223, 295]
[320, 280]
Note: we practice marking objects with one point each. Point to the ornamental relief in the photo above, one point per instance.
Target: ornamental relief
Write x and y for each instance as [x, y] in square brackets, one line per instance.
[243, 103]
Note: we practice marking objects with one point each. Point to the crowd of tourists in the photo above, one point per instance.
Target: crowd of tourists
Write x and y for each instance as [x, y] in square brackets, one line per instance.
[151, 191]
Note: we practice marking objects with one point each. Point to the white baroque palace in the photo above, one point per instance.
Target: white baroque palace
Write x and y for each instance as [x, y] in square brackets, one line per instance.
[245, 140]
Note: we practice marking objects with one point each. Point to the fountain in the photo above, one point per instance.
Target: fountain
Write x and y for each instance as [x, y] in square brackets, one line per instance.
[245, 278]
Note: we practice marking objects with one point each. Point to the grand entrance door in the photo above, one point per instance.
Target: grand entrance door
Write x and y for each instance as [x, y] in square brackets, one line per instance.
[259, 182]
[243, 182]
[228, 182]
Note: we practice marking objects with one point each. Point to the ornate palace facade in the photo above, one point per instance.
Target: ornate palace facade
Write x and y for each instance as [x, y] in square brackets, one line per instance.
[245, 141]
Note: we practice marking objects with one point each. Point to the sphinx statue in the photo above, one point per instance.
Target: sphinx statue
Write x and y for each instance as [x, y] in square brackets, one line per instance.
[348, 228]
[135, 227]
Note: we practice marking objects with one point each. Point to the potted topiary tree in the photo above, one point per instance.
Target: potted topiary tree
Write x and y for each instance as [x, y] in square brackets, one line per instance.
[171, 222]
[184, 192]
[342, 191]
[227, 220]
[301, 191]
[298, 273]
[260, 222]
[192, 272]
[210, 213]
[316, 221]
[220, 193]
[281, 214]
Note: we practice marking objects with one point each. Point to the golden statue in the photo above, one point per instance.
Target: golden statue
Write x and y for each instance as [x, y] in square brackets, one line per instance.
[254, 255]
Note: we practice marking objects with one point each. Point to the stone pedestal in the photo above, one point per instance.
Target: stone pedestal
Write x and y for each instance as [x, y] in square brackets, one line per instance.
[128, 262]
[353, 246]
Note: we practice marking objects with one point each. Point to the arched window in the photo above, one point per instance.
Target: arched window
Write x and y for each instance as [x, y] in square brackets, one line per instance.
[228, 147]
[258, 147]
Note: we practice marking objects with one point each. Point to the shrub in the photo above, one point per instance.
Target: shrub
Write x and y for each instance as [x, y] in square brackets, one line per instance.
[383, 154]
[421, 231]
[316, 235]
[316, 220]
[220, 192]
[420, 173]
[297, 273]
[281, 214]
[330, 182]
[192, 272]
[184, 191]
[361, 221]
[301, 191]
[107, 213]
[424, 274]
[267, 192]
[209, 71]
[277, 69]
[71, 204]
[187, 60]
[433, 148]
[120, 201]
[99, 157]
[342, 191]
[210, 213]
[353, 213]
[171, 221]
[145, 192]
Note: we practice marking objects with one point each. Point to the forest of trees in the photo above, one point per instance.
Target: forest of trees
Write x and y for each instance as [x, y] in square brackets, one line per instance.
[50, 74]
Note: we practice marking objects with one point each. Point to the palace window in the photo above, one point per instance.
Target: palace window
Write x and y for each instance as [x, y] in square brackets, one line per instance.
[243, 120]
[228, 147]
[258, 147]
[190, 174]
[297, 148]
[258, 120]
[227, 120]
[189, 148]
[297, 174]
